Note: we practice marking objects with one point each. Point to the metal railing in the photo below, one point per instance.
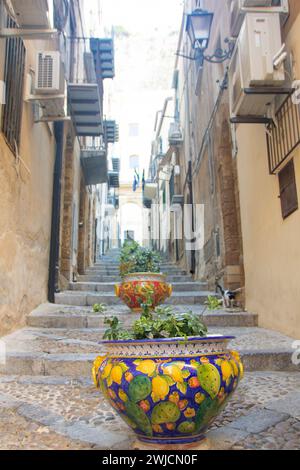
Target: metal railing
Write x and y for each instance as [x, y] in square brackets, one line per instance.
[283, 135]
[82, 68]
[14, 72]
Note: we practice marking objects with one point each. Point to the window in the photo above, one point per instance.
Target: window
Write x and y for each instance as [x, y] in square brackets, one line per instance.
[134, 162]
[14, 81]
[134, 130]
[288, 190]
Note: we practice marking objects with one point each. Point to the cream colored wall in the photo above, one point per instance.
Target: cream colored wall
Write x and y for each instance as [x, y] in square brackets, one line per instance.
[25, 209]
[271, 244]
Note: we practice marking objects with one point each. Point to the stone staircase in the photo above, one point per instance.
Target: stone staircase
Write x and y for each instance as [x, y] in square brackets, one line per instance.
[45, 380]
[62, 338]
[97, 286]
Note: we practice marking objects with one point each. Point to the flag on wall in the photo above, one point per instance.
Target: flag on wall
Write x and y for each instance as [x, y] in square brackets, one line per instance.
[136, 180]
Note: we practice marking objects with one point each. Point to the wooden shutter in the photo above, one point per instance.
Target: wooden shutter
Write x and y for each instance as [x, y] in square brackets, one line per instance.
[288, 190]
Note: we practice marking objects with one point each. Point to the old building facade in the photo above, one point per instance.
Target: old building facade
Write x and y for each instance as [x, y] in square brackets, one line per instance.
[53, 152]
[239, 170]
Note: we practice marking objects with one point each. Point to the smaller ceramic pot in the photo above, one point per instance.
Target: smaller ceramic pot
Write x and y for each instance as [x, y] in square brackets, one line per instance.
[134, 289]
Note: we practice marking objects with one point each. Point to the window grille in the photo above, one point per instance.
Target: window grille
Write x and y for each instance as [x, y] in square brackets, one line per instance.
[14, 80]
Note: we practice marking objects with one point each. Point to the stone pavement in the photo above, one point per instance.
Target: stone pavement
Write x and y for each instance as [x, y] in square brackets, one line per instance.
[61, 413]
[47, 399]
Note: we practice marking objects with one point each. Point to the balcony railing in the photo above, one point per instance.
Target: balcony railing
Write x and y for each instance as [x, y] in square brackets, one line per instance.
[111, 131]
[116, 164]
[103, 52]
[283, 135]
[94, 161]
[113, 179]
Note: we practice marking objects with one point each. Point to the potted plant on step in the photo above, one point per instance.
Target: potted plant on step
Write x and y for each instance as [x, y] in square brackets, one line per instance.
[140, 273]
[165, 377]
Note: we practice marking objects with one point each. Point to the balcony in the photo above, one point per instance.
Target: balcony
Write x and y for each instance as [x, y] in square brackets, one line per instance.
[111, 131]
[116, 164]
[85, 91]
[94, 163]
[113, 200]
[103, 52]
[149, 194]
[113, 179]
[283, 137]
[175, 134]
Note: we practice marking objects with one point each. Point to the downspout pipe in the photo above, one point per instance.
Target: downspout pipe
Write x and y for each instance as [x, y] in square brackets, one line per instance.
[56, 206]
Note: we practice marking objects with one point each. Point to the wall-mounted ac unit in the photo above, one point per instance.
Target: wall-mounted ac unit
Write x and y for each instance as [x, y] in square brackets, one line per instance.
[49, 89]
[252, 75]
[175, 134]
[49, 73]
[33, 14]
[239, 9]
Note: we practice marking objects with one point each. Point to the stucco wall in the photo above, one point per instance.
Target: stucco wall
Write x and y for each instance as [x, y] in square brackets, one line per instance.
[25, 208]
[271, 244]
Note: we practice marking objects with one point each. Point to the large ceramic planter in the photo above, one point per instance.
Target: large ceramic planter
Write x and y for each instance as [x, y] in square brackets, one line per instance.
[135, 288]
[167, 390]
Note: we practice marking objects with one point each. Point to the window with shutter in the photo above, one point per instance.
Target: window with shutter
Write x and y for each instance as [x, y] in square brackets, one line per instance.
[288, 190]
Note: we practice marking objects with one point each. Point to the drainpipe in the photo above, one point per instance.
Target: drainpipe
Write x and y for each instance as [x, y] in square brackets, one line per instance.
[191, 201]
[55, 222]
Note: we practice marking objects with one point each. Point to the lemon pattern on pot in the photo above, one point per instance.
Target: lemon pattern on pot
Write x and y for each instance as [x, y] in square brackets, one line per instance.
[165, 396]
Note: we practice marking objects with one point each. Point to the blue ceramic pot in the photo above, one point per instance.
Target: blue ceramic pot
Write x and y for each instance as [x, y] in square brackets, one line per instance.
[168, 390]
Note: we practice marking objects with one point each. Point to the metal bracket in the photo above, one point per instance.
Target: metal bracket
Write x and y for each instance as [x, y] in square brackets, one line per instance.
[28, 33]
[33, 98]
[250, 120]
[53, 119]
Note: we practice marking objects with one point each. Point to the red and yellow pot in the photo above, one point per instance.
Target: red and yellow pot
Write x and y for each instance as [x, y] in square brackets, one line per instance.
[135, 288]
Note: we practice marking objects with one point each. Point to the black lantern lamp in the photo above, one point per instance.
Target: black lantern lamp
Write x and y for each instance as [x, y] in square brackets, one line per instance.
[198, 28]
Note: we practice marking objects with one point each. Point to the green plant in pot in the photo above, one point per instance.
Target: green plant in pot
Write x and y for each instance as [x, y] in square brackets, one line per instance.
[140, 273]
[165, 376]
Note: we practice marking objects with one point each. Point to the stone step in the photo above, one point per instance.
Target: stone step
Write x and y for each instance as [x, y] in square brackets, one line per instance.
[61, 316]
[115, 270]
[91, 298]
[66, 352]
[109, 286]
[115, 278]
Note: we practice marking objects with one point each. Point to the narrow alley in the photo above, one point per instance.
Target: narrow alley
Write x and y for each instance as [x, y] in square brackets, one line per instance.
[150, 178]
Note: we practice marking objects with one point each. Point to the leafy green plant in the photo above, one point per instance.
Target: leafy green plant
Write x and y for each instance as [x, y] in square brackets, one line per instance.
[115, 331]
[163, 322]
[99, 308]
[136, 259]
[213, 303]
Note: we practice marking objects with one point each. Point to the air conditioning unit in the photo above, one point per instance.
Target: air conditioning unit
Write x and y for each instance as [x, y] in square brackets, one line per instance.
[50, 86]
[33, 14]
[252, 75]
[175, 134]
[239, 9]
[49, 77]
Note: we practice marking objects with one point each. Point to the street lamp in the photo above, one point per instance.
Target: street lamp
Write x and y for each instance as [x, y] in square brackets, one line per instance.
[198, 28]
